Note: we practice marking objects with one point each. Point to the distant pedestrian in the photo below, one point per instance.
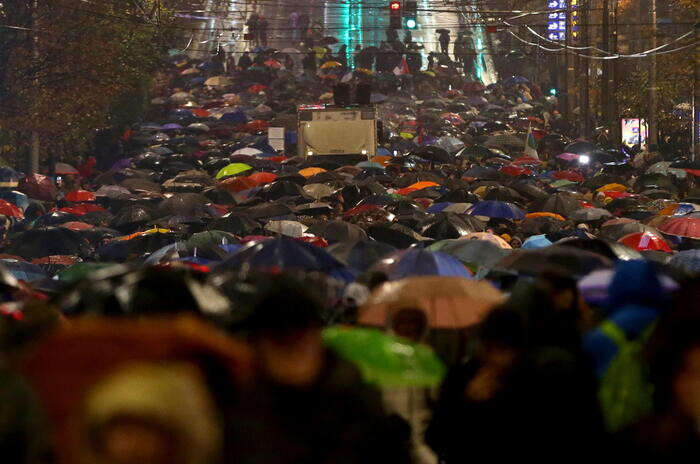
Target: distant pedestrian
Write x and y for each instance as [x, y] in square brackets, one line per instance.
[253, 28]
[294, 24]
[444, 39]
[262, 30]
[245, 62]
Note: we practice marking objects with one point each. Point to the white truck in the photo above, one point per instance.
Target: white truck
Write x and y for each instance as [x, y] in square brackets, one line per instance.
[326, 130]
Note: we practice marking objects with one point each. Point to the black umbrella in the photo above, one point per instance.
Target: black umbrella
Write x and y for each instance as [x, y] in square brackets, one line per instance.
[268, 210]
[237, 224]
[458, 196]
[123, 250]
[502, 193]
[396, 235]
[48, 241]
[449, 225]
[558, 258]
[434, 154]
[54, 219]
[187, 204]
[542, 225]
[610, 250]
[281, 189]
[560, 203]
[338, 231]
[359, 254]
[529, 189]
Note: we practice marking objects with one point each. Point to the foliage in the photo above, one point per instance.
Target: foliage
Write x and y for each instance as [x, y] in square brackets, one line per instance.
[92, 57]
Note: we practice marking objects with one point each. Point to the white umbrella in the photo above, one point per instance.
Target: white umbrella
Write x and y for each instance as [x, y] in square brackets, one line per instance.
[289, 228]
[247, 151]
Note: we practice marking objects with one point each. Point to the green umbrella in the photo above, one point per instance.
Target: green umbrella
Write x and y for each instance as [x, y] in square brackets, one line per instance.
[232, 169]
[385, 360]
[79, 271]
[562, 183]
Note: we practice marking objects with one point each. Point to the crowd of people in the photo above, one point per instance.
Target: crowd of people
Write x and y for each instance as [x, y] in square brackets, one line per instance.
[489, 286]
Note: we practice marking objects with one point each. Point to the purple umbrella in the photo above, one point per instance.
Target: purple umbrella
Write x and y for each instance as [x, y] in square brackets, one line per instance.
[171, 126]
[121, 164]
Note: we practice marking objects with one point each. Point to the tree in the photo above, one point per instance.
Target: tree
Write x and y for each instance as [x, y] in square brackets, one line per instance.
[91, 57]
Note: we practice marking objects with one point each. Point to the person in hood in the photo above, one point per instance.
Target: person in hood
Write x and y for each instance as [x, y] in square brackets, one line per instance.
[308, 405]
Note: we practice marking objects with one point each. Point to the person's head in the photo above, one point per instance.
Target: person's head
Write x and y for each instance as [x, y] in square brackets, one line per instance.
[409, 323]
[148, 413]
[285, 330]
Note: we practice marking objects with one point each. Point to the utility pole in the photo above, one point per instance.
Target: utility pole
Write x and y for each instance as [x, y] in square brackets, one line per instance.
[614, 110]
[585, 35]
[696, 94]
[569, 65]
[34, 142]
[605, 88]
[653, 89]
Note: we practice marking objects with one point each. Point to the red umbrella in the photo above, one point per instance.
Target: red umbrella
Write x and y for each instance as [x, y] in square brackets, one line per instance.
[38, 187]
[62, 260]
[82, 208]
[238, 184]
[262, 178]
[274, 64]
[682, 227]
[526, 161]
[65, 169]
[80, 195]
[77, 225]
[10, 210]
[312, 239]
[256, 125]
[201, 113]
[694, 172]
[573, 176]
[256, 88]
[641, 241]
[512, 170]
[362, 209]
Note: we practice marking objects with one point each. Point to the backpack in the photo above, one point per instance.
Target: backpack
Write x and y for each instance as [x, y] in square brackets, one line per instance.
[625, 391]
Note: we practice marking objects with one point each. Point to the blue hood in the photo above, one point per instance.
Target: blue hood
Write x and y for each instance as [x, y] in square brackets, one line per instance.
[636, 284]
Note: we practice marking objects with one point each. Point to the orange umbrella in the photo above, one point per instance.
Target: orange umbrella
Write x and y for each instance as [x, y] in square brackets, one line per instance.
[262, 178]
[383, 160]
[201, 113]
[612, 188]
[544, 214]
[448, 302]
[309, 172]
[238, 184]
[155, 230]
[417, 186]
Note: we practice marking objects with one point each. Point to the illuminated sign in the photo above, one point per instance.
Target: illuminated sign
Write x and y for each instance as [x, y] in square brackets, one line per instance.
[556, 19]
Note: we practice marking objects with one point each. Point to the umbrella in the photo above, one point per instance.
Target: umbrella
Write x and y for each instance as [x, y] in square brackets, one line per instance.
[80, 196]
[23, 270]
[184, 204]
[338, 231]
[8, 177]
[394, 234]
[448, 302]
[318, 191]
[330, 64]
[39, 242]
[595, 287]
[384, 360]
[687, 261]
[536, 241]
[682, 226]
[645, 241]
[505, 140]
[232, 170]
[449, 207]
[283, 253]
[38, 187]
[497, 209]
[560, 203]
[558, 258]
[288, 228]
[237, 224]
[15, 197]
[474, 253]
[449, 225]
[616, 230]
[79, 271]
[218, 81]
[589, 214]
[418, 261]
[64, 169]
[359, 254]
[10, 210]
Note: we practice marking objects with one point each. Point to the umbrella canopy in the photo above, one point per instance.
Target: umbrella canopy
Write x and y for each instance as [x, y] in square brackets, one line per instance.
[65, 169]
[687, 262]
[359, 254]
[559, 258]
[418, 261]
[474, 254]
[617, 230]
[589, 214]
[449, 225]
[338, 231]
[497, 209]
[10, 210]
[536, 241]
[385, 360]
[80, 196]
[645, 241]
[8, 177]
[38, 187]
[232, 169]
[40, 242]
[595, 287]
[682, 226]
[448, 302]
[23, 270]
[560, 203]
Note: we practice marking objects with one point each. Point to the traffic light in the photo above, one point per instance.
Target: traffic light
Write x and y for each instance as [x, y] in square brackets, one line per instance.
[410, 14]
[553, 91]
[395, 15]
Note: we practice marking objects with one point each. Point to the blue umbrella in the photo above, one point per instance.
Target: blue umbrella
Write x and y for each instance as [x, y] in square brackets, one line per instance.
[235, 117]
[283, 253]
[161, 150]
[381, 151]
[418, 262]
[497, 209]
[172, 126]
[438, 207]
[687, 261]
[536, 241]
[369, 164]
[515, 80]
[18, 199]
[24, 271]
[8, 177]
[377, 98]
[231, 248]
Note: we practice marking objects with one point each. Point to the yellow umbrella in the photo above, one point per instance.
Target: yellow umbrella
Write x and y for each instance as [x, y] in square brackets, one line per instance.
[320, 52]
[406, 135]
[369, 72]
[544, 214]
[155, 230]
[330, 64]
[612, 188]
[448, 302]
[481, 190]
[308, 172]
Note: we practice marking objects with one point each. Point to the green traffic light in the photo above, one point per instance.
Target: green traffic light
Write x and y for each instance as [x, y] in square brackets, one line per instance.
[411, 23]
[552, 91]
